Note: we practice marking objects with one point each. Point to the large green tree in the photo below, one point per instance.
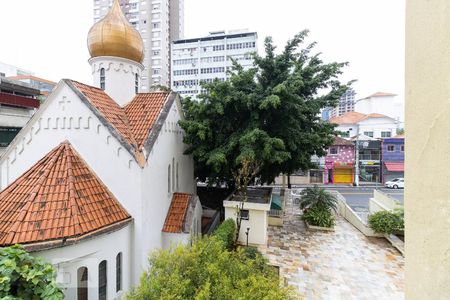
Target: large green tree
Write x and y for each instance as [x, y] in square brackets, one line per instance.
[266, 120]
[208, 271]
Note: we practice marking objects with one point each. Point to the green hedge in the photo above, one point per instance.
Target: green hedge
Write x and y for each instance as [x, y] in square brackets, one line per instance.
[319, 216]
[386, 222]
[226, 232]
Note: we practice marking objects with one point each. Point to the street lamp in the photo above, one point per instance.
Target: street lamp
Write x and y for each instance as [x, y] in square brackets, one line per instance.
[246, 233]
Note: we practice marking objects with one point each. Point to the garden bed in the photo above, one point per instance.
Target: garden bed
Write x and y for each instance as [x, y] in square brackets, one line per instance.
[317, 228]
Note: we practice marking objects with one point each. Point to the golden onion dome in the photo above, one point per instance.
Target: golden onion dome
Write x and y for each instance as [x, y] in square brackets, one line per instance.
[114, 36]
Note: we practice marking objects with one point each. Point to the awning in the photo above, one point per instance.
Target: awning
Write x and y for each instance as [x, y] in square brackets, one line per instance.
[395, 166]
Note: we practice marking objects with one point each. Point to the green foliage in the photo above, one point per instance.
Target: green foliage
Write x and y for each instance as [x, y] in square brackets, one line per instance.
[319, 216]
[23, 276]
[386, 222]
[317, 197]
[208, 271]
[226, 233]
[266, 117]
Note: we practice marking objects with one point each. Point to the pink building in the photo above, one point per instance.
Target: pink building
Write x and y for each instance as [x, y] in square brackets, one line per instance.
[340, 162]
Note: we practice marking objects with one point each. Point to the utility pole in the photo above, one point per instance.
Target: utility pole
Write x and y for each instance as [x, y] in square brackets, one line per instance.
[357, 156]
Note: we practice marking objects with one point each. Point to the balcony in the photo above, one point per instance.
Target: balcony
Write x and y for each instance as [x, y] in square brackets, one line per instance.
[369, 157]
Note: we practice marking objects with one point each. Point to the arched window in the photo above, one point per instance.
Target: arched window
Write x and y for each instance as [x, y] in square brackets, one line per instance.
[173, 174]
[119, 272]
[136, 83]
[102, 280]
[102, 78]
[168, 179]
[178, 186]
[82, 283]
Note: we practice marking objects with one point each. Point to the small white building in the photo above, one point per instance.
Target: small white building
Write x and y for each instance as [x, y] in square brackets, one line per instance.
[254, 215]
[98, 178]
[373, 125]
[204, 59]
[382, 103]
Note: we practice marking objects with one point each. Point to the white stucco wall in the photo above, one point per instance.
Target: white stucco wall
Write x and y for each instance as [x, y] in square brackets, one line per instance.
[15, 116]
[377, 125]
[386, 105]
[257, 221]
[89, 253]
[119, 76]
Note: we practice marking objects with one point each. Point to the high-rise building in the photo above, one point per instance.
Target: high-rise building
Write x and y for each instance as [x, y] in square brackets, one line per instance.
[207, 58]
[346, 104]
[159, 22]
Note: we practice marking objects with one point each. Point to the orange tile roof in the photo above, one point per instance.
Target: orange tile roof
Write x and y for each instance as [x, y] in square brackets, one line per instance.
[177, 213]
[134, 121]
[57, 199]
[142, 112]
[31, 77]
[109, 108]
[354, 117]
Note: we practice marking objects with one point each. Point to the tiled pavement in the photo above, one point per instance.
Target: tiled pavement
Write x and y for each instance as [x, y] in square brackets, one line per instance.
[343, 264]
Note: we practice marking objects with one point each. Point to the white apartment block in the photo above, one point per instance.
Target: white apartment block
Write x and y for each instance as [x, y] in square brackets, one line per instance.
[346, 104]
[204, 59]
[159, 22]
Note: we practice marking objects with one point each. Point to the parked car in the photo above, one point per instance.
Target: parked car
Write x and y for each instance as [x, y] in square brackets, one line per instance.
[395, 183]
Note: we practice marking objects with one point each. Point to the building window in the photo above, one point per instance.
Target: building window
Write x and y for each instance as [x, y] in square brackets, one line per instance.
[368, 133]
[82, 286]
[173, 173]
[119, 272]
[102, 78]
[385, 134]
[168, 179]
[178, 187]
[402, 148]
[333, 151]
[244, 214]
[390, 148]
[136, 83]
[102, 281]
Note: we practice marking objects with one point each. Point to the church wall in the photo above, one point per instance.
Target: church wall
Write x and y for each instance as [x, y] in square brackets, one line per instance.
[65, 117]
[167, 150]
[89, 253]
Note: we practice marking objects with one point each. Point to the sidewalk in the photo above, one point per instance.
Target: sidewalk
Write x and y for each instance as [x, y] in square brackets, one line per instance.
[334, 265]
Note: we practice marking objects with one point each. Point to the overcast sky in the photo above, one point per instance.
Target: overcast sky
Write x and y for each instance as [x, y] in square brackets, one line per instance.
[48, 37]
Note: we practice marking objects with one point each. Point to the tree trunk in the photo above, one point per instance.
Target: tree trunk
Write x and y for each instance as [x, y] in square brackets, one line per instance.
[289, 181]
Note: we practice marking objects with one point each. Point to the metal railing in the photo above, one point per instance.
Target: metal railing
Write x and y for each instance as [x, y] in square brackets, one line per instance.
[278, 213]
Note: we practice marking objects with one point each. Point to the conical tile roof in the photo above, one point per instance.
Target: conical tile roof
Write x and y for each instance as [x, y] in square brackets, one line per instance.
[60, 197]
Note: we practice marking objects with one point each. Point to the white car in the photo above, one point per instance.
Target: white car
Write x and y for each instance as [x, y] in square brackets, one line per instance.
[395, 183]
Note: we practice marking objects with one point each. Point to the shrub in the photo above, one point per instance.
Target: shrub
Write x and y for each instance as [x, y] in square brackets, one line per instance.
[316, 196]
[319, 216]
[23, 276]
[386, 222]
[226, 233]
[208, 271]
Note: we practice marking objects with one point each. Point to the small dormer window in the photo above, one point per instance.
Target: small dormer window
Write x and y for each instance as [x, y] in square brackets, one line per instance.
[102, 78]
[136, 83]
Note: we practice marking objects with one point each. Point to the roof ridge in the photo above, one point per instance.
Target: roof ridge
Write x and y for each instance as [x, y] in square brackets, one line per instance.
[72, 191]
[24, 209]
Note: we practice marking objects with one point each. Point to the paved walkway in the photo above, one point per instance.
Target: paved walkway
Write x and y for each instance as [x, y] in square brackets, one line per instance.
[334, 265]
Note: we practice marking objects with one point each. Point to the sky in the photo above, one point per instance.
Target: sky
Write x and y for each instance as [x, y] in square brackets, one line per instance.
[48, 37]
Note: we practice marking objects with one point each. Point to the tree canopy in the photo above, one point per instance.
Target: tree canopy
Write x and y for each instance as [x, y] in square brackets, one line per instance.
[266, 120]
[23, 276]
[208, 271]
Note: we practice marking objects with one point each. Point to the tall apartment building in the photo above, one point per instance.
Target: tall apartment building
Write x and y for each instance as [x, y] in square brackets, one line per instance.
[207, 58]
[346, 104]
[159, 22]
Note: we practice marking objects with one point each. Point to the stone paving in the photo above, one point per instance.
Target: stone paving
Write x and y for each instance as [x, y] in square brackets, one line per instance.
[343, 264]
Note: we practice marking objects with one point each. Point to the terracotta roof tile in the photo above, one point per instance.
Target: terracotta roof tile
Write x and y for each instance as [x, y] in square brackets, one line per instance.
[338, 141]
[58, 198]
[177, 213]
[142, 112]
[381, 94]
[354, 117]
[109, 108]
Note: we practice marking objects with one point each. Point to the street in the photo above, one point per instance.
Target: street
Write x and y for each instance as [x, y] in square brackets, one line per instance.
[358, 197]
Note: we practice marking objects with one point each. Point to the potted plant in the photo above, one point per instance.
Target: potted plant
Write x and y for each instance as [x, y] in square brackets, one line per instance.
[318, 205]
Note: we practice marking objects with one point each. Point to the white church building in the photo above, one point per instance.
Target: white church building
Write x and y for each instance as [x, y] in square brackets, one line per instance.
[97, 179]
